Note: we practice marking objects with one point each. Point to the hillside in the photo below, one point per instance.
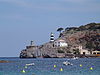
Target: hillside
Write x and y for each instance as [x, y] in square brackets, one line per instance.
[87, 36]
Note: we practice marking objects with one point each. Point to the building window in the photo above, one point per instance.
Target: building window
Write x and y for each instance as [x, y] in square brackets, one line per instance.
[98, 53]
[84, 53]
[58, 44]
[94, 53]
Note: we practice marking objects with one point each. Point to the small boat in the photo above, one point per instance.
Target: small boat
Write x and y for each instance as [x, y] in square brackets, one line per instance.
[67, 63]
[31, 64]
[75, 58]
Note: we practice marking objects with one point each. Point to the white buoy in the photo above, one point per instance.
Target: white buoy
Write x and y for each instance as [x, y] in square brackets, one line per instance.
[25, 66]
[31, 64]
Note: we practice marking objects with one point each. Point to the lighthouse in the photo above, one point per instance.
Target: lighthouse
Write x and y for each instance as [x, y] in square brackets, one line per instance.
[51, 37]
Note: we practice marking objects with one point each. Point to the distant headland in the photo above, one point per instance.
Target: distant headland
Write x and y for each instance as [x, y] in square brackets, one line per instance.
[4, 61]
[83, 41]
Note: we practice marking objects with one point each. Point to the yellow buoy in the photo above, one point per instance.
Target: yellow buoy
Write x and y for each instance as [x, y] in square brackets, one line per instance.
[23, 71]
[80, 65]
[91, 68]
[55, 66]
[61, 69]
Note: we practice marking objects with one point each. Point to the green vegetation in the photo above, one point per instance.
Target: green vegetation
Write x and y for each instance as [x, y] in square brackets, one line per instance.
[59, 29]
[90, 26]
[68, 51]
[61, 51]
[76, 51]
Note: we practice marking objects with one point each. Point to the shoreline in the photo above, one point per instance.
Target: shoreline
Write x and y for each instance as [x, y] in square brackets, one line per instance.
[68, 56]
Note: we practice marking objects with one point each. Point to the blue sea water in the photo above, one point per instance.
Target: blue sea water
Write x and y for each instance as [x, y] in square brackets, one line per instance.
[45, 66]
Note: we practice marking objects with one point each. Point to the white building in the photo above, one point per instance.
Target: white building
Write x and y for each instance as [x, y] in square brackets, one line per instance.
[83, 51]
[95, 52]
[60, 43]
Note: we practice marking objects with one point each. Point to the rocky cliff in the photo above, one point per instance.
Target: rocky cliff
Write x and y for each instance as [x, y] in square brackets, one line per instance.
[88, 36]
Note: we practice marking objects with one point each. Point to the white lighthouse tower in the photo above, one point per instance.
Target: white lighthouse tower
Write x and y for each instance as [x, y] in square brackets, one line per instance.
[51, 37]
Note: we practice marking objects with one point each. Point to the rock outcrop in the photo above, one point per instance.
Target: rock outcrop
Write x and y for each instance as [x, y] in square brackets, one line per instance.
[87, 36]
[4, 61]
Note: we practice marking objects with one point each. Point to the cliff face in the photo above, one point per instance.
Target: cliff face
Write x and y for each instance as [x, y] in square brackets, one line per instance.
[87, 36]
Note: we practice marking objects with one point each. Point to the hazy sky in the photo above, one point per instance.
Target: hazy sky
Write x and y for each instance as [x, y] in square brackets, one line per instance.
[25, 20]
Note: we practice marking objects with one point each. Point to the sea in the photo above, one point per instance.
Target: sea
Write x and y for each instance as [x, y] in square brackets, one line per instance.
[50, 66]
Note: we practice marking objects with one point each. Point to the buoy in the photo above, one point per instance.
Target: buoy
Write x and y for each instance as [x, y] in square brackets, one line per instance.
[23, 71]
[31, 64]
[55, 66]
[91, 68]
[61, 69]
[25, 66]
[80, 65]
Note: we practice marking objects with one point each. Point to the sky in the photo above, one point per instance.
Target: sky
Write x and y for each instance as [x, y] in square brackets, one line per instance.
[24, 20]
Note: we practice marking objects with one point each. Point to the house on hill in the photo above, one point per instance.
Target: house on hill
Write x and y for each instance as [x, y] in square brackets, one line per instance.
[80, 50]
[84, 51]
[96, 52]
[60, 43]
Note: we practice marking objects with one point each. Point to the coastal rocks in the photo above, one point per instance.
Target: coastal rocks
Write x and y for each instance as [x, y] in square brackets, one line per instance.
[4, 61]
[23, 54]
[27, 54]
